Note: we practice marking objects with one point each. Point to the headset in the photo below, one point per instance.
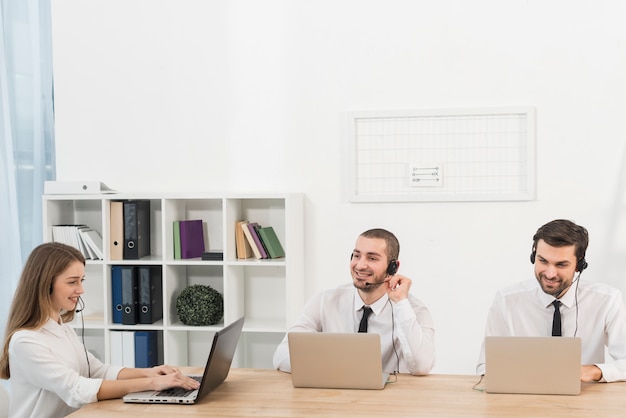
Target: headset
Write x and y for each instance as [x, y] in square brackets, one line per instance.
[392, 268]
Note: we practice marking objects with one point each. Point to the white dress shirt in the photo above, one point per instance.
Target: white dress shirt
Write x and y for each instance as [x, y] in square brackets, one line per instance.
[49, 372]
[407, 323]
[595, 313]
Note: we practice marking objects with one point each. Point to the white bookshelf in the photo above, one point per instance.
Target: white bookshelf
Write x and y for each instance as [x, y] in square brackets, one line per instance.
[269, 293]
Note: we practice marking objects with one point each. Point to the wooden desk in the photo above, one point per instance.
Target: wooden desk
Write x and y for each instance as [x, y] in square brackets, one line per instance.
[269, 393]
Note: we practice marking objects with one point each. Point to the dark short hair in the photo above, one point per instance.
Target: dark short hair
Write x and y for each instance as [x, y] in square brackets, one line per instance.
[393, 246]
[561, 233]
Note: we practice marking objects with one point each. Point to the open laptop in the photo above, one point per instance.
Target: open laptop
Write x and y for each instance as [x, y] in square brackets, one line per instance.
[537, 365]
[336, 360]
[217, 368]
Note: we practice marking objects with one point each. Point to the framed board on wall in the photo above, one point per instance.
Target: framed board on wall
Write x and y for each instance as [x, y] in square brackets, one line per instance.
[485, 154]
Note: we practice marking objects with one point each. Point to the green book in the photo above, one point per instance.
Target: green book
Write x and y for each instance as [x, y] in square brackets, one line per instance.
[271, 241]
[176, 239]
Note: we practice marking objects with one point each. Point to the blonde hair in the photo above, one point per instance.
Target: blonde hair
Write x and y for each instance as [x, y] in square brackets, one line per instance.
[32, 303]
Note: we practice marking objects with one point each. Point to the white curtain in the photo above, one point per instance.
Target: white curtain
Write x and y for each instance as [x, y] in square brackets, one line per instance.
[26, 134]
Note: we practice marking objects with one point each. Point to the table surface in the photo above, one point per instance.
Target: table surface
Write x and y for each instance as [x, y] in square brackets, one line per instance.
[269, 393]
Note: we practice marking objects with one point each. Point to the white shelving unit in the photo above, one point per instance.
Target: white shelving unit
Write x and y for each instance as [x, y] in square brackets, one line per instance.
[269, 293]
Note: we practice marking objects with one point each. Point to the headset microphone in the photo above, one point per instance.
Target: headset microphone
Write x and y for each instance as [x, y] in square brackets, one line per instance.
[82, 305]
[374, 284]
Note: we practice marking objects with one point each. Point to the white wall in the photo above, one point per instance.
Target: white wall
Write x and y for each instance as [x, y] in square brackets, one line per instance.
[248, 95]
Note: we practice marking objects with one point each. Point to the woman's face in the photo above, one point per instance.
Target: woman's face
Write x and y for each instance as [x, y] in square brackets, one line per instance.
[66, 288]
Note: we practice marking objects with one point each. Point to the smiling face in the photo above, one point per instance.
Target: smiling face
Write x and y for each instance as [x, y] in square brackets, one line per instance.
[368, 263]
[555, 267]
[66, 288]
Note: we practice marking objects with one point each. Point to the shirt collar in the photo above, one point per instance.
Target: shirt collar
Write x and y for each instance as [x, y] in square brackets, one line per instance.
[54, 327]
[568, 299]
[377, 306]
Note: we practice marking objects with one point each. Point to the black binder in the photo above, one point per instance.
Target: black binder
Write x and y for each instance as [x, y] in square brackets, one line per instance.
[129, 295]
[150, 294]
[136, 229]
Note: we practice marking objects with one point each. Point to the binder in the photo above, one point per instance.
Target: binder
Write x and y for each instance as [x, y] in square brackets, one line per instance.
[150, 292]
[117, 348]
[116, 230]
[116, 293]
[128, 349]
[136, 229]
[191, 238]
[129, 295]
[146, 349]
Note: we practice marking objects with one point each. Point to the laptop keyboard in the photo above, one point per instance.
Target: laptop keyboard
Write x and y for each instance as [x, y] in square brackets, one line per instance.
[178, 391]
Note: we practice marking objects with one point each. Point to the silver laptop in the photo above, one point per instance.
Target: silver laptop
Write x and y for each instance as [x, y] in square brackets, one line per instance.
[217, 368]
[537, 365]
[336, 360]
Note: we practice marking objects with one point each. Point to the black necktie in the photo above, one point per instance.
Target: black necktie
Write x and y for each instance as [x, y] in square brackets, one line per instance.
[556, 319]
[366, 313]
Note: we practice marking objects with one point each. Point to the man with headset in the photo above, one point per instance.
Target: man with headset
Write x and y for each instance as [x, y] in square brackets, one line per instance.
[403, 322]
[563, 306]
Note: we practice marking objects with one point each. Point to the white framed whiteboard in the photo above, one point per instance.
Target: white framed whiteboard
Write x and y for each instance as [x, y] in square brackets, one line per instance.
[475, 154]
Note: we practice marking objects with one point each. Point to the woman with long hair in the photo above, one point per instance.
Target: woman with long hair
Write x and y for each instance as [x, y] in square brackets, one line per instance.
[51, 372]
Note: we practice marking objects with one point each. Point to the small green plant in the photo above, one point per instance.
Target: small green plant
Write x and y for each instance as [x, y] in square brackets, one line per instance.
[200, 305]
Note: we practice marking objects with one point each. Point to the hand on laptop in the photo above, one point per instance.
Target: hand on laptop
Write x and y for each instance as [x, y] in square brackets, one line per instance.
[160, 370]
[590, 373]
[398, 287]
[168, 377]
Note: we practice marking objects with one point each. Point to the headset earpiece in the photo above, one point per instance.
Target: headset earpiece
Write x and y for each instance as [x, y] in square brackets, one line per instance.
[392, 268]
[532, 257]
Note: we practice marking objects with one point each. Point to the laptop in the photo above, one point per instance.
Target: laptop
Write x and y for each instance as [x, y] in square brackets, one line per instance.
[533, 365]
[336, 360]
[217, 368]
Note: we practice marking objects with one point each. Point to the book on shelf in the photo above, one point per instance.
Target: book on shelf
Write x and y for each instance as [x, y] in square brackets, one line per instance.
[250, 239]
[213, 255]
[81, 237]
[269, 238]
[191, 238]
[253, 227]
[242, 246]
[93, 242]
[176, 235]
